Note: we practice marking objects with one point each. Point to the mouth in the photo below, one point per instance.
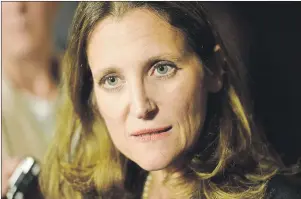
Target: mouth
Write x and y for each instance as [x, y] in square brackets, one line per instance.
[154, 131]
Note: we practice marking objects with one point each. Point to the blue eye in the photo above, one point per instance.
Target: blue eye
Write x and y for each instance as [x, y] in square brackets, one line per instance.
[163, 69]
[112, 80]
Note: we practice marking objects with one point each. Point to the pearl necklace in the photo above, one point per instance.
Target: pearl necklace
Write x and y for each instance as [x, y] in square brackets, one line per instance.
[146, 187]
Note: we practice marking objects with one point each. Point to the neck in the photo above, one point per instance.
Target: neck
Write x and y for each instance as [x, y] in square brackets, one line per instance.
[158, 176]
[31, 74]
[157, 187]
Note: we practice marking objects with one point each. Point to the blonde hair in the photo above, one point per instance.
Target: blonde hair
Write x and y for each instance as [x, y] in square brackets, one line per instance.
[232, 162]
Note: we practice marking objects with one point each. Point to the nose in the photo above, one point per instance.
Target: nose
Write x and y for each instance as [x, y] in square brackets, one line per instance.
[142, 106]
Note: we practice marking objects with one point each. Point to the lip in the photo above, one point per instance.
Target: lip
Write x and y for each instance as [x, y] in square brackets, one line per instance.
[151, 135]
[151, 131]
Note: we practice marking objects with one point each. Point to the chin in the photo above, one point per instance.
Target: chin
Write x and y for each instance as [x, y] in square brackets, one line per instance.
[154, 164]
[153, 167]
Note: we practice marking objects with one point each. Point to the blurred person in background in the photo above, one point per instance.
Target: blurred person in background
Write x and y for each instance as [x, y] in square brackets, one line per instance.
[29, 82]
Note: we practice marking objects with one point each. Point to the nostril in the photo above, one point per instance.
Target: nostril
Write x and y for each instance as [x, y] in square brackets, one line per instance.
[148, 113]
[141, 105]
[152, 114]
[143, 112]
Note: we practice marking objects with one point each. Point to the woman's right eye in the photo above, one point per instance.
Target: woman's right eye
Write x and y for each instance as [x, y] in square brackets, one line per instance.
[111, 82]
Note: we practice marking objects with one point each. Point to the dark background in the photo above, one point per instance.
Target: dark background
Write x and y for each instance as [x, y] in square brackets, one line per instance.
[274, 54]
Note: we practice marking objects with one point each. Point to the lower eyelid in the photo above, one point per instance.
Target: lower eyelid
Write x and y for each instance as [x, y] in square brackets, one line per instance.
[172, 70]
[113, 89]
[163, 77]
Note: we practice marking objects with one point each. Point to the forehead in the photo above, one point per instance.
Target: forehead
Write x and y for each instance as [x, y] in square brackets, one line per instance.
[140, 32]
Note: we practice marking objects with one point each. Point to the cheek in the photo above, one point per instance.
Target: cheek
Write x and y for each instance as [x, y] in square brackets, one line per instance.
[194, 116]
[111, 106]
[111, 109]
[188, 109]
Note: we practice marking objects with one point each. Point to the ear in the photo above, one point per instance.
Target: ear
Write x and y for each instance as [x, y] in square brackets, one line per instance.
[214, 72]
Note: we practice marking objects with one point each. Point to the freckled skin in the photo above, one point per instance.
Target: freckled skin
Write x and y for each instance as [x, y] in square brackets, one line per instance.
[178, 101]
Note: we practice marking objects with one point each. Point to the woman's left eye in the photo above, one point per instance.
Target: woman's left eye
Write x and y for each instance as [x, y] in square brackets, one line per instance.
[163, 69]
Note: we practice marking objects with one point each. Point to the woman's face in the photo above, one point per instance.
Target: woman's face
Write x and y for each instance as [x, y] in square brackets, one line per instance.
[146, 82]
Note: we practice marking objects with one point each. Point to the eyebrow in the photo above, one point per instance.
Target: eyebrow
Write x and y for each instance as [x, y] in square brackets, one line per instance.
[174, 58]
[108, 70]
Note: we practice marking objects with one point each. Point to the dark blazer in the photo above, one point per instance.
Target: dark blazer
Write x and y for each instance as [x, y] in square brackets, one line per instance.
[284, 187]
[279, 187]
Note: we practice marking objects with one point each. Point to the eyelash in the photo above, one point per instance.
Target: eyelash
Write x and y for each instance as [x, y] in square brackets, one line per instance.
[165, 63]
[153, 68]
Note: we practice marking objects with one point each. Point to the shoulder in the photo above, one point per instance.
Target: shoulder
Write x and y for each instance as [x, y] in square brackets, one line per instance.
[284, 187]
